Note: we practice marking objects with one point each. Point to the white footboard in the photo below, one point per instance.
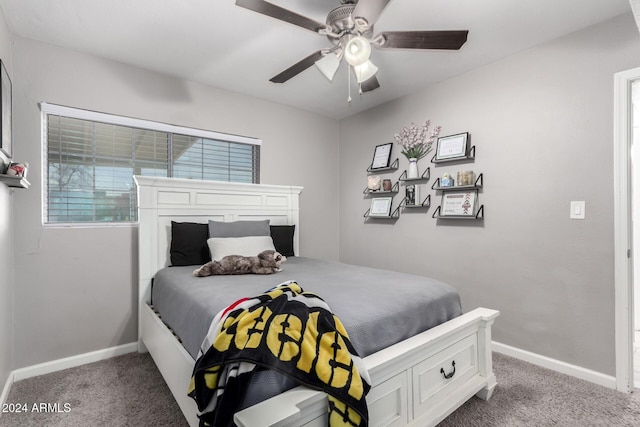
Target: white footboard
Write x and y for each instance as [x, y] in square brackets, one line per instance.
[417, 382]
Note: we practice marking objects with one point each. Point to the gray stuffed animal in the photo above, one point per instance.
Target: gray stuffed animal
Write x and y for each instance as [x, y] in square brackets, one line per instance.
[267, 262]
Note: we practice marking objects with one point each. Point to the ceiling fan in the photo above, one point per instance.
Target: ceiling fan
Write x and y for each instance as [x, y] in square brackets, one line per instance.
[349, 27]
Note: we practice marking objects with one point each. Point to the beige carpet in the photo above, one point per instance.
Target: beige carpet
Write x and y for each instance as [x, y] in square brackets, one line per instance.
[123, 391]
[129, 391]
[527, 395]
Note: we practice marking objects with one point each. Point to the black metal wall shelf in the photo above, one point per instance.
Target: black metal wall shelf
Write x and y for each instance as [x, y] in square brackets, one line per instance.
[395, 214]
[394, 190]
[471, 155]
[394, 166]
[13, 181]
[479, 214]
[478, 184]
[426, 175]
[425, 204]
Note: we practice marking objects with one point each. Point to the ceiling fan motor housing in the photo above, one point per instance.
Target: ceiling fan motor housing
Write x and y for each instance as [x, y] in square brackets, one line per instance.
[341, 21]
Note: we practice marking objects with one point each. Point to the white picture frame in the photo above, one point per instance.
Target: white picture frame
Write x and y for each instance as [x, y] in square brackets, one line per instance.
[412, 195]
[381, 206]
[452, 147]
[459, 203]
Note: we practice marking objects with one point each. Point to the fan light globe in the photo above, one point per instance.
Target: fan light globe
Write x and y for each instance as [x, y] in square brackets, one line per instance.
[365, 71]
[357, 51]
[328, 65]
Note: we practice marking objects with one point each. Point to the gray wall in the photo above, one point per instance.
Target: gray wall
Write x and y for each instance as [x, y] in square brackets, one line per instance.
[76, 287]
[6, 241]
[542, 123]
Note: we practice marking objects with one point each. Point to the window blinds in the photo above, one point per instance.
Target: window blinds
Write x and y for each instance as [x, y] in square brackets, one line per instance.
[90, 165]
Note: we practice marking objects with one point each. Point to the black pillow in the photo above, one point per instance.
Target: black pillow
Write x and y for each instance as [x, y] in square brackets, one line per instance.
[282, 236]
[189, 243]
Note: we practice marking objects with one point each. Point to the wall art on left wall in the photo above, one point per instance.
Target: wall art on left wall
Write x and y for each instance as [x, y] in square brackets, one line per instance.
[5, 111]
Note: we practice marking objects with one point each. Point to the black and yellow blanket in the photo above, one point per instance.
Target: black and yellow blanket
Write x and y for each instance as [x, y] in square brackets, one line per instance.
[291, 331]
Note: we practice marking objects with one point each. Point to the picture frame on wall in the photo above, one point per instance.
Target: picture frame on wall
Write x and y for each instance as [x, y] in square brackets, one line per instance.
[5, 112]
[452, 147]
[381, 206]
[412, 195]
[382, 156]
[459, 203]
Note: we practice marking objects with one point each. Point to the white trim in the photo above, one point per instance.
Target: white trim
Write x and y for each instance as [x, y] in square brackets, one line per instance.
[623, 243]
[635, 8]
[73, 361]
[6, 390]
[556, 365]
[78, 113]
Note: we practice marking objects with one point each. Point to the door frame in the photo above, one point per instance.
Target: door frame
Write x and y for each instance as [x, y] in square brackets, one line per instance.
[623, 241]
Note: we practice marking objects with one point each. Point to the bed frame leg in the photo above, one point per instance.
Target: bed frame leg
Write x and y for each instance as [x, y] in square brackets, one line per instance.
[141, 347]
[486, 392]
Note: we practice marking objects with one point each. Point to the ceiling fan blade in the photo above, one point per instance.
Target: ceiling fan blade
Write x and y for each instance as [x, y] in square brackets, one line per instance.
[452, 40]
[370, 9]
[369, 84]
[280, 13]
[297, 68]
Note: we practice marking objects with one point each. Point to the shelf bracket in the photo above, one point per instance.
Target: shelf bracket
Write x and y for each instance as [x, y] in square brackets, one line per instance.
[394, 189]
[425, 203]
[393, 166]
[470, 155]
[426, 175]
[395, 214]
[479, 214]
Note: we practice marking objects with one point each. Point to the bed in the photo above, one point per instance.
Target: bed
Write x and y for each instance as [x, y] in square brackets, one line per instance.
[417, 381]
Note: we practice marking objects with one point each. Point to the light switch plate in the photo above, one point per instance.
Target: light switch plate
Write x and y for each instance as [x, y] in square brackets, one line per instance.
[577, 210]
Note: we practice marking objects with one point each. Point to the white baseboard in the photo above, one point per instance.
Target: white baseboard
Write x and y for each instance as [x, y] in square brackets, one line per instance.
[5, 390]
[73, 361]
[556, 365]
[95, 356]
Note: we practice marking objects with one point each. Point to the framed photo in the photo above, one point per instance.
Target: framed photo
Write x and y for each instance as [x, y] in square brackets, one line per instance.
[5, 111]
[382, 156]
[452, 147]
[459, 203]
[412, 195]
[380, 206]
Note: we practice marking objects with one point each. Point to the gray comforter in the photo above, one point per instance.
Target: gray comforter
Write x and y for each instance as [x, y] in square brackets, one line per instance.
[377, 307]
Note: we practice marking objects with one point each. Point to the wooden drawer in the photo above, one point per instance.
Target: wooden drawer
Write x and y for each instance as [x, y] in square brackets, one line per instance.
[430, 376]
[388, 402]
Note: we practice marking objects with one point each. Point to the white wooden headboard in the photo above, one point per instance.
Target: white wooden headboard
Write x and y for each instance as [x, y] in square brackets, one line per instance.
[162, 200]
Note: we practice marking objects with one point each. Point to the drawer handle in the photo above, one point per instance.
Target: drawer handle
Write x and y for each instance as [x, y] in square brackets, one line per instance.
[450, 374]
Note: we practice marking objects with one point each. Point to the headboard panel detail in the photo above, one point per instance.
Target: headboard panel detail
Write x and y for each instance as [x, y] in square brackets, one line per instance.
[162, 200]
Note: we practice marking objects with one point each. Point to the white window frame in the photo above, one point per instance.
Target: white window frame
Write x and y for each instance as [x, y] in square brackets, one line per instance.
[77, 113]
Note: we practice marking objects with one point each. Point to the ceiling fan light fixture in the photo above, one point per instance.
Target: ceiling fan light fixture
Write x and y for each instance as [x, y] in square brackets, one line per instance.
[365, 71]
[357, 51]
[328, 65]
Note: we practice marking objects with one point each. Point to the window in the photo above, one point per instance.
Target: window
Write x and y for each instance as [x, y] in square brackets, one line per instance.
[91, 159]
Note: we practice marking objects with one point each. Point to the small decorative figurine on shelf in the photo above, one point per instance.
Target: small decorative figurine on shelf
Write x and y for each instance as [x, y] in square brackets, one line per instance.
[466, 178]
[19, 170]
[373, 183]
[446, 180]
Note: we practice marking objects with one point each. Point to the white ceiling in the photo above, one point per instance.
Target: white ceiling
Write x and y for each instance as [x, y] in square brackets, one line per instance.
[217, 43]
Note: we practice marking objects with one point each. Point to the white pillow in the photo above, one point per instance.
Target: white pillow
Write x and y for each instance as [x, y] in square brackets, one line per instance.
[220, 247]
